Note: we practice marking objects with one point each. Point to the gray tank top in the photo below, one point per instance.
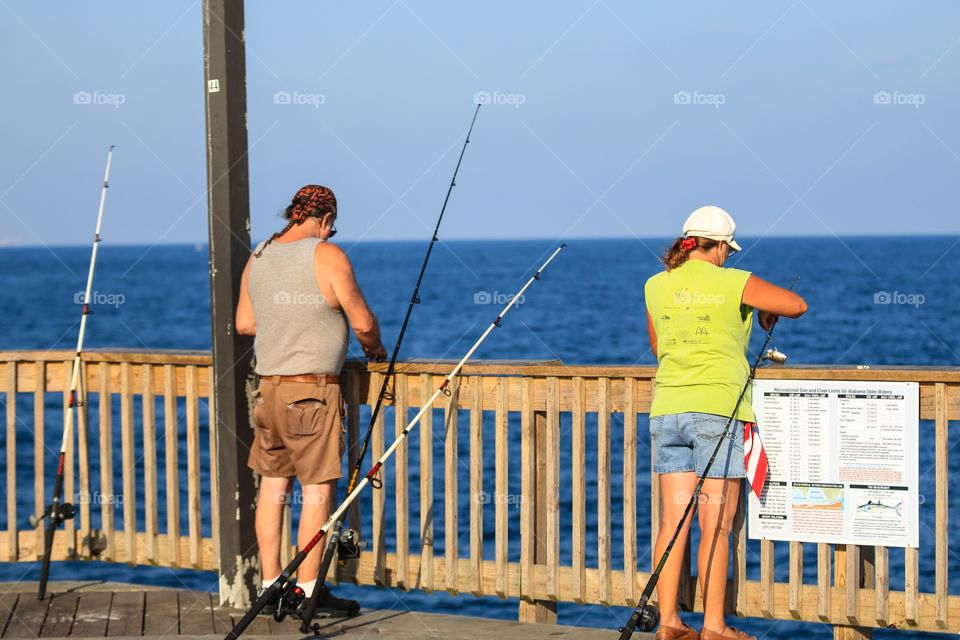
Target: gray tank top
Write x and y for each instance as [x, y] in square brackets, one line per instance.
[297, 331]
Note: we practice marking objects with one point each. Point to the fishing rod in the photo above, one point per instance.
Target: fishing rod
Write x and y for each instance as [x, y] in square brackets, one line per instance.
[350, 547]
[645, 616]
[57, 511]
[282, 586]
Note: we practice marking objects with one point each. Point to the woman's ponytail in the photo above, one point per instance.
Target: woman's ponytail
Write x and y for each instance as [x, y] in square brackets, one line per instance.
[679, 251]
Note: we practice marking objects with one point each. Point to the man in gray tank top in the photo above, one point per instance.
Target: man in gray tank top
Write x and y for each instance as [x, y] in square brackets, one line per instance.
[297, 296]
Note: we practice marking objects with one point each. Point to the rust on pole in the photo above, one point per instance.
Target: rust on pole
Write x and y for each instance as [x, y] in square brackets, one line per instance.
[229, 234]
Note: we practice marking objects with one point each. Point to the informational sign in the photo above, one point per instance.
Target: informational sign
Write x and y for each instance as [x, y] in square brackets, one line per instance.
[843, 462]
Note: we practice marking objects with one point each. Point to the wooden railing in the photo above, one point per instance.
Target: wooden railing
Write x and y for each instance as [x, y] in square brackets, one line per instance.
[521, 445]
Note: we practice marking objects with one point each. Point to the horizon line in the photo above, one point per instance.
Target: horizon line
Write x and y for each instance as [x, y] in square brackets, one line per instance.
[205, 242]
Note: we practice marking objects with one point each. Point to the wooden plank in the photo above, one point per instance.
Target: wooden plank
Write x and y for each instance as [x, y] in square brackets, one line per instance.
[379, 500]
[83, 451]
[353, 437]
[8, 600]
[60, 615]
[196, 616]
[212, 456]
[656, 508]
[852, 590]
[942, 587]
[286, 531]
[69, 476]
[150, 504]
[738, 592]
[824, 580]
[551, 492]
[171, 454]
[603, 492]
[527, 492]
[105, 428]
[39, 451]
[93, 614]
[193, 466]
[795, 606]
[126, 614]
[882, 585]
[402, 482]
[911, 586]
[477, 496]
[630, 492]
[451, 496]
[501, 454]
[11, 459]
[579, 490]
[128, 449]
[27, 618]
[767, 580]
[161, 614]
[426, 487]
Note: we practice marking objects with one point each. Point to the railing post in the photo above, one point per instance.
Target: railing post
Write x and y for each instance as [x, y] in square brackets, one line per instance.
[229, 233]
[842, 580]
[539, 611]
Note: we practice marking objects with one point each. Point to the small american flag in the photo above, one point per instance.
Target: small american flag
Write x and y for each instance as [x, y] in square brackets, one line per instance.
[755, 457]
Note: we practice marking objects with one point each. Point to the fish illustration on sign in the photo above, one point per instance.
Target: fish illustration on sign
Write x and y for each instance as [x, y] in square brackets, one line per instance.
[878, 507]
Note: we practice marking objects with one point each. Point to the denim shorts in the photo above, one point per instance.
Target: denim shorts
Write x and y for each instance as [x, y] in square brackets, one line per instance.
[685, 442]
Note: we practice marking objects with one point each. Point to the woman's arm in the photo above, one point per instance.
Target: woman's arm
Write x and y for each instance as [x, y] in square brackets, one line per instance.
[246, 322]
[772, 301]
[652, 334]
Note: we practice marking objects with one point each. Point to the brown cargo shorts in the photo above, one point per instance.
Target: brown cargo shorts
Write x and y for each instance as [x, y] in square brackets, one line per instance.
[299, 430]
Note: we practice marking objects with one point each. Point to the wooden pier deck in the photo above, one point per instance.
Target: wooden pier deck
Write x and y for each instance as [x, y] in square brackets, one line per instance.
[117, 610]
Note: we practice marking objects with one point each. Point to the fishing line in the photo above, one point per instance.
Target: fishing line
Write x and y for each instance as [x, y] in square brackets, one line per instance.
[349, 545]
[282, 586]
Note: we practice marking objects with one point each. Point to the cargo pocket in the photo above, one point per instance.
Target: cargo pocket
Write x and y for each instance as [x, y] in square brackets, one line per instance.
[256, 415]
[305, 415]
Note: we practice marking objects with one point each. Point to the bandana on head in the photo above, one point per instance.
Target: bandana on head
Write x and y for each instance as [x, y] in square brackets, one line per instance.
[310, 197]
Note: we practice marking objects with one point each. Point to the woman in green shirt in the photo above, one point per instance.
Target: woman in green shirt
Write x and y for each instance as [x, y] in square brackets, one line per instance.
[699, 317]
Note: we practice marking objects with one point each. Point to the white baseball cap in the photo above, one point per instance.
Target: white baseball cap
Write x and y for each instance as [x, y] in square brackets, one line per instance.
[713, 223]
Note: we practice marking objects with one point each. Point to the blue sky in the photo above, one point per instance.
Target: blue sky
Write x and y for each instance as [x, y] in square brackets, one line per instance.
[606, 118]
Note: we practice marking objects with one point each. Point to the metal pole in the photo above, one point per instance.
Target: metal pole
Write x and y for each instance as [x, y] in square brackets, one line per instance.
[229, 234]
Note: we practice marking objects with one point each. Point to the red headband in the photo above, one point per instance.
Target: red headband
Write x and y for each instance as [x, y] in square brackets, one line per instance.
[310, 197]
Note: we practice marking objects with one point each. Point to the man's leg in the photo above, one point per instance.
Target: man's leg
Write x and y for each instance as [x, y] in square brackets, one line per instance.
[317, 504]
[270, 501]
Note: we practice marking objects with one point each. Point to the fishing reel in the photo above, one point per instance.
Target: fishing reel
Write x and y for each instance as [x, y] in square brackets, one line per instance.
[349, 545]
[775, 356]
[55, 512]
[289, 602]
[648, 621]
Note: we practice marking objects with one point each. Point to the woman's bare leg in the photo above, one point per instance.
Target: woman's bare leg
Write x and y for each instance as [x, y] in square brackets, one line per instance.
[718, 505]
[675, 490]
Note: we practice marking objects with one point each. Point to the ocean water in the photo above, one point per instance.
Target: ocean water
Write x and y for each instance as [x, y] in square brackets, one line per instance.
[875, 301]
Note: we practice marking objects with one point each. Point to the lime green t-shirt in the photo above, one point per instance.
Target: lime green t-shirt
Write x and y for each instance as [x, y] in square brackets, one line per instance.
[703, 333]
